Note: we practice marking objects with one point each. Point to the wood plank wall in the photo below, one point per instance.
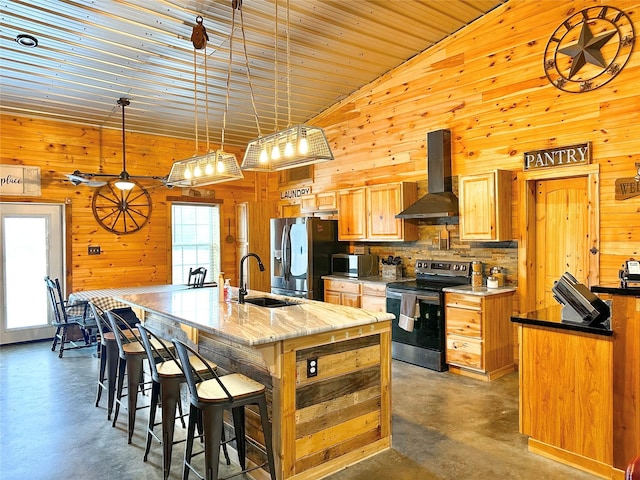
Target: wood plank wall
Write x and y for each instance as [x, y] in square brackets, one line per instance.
[486, 83]
[141, 258]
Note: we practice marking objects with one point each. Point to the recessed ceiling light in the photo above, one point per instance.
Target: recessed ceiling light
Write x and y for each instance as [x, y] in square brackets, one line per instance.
[28, 41]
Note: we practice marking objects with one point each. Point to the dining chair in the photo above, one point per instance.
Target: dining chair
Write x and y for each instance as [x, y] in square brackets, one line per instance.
[167, 377]
[211, 398]
[131, 354]
[73, 322]
[196, 277]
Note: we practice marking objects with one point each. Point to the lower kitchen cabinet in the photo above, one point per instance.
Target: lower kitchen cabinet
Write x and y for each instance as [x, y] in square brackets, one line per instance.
[374, 297]
[341, 292]
[479, 334]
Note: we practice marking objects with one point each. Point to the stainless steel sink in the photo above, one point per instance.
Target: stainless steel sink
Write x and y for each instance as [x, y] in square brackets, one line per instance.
[268, 302]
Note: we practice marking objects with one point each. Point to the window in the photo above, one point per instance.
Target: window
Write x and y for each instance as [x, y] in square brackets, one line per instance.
[195, 240]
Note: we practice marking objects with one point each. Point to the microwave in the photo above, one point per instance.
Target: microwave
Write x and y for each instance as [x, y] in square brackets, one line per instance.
[348, 265]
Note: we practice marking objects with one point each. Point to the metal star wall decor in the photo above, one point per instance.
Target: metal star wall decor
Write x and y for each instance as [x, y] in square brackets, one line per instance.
[577, 60]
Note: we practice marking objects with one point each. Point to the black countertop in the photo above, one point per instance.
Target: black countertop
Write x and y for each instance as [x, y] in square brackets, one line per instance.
[617, 290]
[552, 317]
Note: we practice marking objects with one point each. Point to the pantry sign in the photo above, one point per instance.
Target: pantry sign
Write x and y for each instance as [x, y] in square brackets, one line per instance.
[19, 180]
[558, 157]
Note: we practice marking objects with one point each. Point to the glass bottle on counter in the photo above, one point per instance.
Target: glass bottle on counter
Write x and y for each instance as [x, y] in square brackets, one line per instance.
[227, 290]
[476, 279]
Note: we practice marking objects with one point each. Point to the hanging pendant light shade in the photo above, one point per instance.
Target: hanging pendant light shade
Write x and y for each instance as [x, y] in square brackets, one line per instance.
[292, 147]
[214, 166]
[207, 169]
[297, 146]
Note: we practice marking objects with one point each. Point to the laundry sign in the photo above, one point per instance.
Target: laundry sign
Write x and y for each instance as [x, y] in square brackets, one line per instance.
[558, 157]
[294, 193]
[19, 180]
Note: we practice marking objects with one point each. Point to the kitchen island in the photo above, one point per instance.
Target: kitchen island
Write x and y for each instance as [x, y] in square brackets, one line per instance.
[327, 369]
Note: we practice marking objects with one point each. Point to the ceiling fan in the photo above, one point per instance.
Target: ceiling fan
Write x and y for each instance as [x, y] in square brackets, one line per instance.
[123, 181]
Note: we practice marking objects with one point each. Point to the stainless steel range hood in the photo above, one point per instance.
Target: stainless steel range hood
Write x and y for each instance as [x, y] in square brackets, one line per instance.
[439, 202]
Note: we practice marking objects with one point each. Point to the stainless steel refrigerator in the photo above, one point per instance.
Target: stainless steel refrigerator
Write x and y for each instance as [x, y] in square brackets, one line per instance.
[301, 251]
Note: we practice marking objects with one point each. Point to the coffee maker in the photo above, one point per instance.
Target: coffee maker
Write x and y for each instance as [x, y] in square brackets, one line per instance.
[630, 274]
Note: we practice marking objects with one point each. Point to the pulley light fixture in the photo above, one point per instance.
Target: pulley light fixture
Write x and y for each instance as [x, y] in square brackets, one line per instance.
[214, 166]
[294, 146]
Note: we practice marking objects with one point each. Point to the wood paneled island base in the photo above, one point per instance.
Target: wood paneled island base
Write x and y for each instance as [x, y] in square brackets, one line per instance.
[327, 369]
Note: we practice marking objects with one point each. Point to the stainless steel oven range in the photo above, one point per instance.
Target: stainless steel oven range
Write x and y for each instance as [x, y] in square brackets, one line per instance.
[425, 345]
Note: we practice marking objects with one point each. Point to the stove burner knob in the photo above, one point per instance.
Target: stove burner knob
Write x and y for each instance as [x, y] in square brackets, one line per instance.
[456, 267]
[463, 267]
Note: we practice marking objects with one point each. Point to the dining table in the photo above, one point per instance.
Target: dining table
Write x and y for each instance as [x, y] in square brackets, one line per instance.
[105, 298]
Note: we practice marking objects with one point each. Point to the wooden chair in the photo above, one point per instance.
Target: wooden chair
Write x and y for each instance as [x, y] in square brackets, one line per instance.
[71, 321]
[196, 277]
[167, 377]
[211, 398]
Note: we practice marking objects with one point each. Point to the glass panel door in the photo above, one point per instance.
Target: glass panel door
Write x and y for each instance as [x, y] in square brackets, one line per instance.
[31, 241]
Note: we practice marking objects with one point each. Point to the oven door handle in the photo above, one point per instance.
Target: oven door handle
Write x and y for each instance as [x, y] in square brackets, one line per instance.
[421, 298]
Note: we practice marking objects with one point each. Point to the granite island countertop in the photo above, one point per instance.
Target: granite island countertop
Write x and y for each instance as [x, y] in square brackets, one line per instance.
[249, 324]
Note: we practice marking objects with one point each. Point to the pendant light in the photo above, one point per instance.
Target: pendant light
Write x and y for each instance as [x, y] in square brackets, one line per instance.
[124, 182]
[292, 147]
[214, 166]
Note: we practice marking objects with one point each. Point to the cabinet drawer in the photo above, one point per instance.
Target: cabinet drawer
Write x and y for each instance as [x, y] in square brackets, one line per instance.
[376, 290]
[464, 322]
[463, 301]
[344, 287]
[464, 351]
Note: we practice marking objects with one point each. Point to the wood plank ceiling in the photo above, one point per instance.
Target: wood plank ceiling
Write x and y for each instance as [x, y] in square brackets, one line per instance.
[90, 53]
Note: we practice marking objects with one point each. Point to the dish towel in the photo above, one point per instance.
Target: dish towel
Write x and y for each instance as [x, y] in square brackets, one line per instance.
[408, 308]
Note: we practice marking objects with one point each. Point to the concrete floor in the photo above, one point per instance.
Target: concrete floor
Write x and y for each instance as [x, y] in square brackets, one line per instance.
[445, 427]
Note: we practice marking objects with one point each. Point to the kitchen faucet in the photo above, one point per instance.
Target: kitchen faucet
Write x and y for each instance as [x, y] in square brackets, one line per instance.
[243, 288]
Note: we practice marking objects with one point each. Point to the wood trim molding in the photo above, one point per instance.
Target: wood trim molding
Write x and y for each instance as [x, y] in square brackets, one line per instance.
[187, 199]
[527, 227]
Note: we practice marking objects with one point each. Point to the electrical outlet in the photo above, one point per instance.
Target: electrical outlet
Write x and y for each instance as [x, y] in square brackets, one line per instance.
[94, 250]
[312, 367]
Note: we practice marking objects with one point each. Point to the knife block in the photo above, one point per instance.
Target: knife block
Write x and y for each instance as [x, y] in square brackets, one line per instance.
[391, 272]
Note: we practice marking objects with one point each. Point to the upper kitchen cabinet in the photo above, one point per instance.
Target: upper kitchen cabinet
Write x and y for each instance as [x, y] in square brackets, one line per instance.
[319, 202]
[485, 206]
[369, 213]
[352, 217]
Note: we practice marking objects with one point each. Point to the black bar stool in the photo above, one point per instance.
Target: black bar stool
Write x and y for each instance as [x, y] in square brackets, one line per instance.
[211, 398]
[167, 377]
[130, 359]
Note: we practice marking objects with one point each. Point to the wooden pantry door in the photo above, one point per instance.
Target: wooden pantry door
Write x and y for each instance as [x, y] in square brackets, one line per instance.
[562, 234]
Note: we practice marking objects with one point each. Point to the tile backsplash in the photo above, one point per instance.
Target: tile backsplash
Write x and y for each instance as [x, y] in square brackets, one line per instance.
[491, 254]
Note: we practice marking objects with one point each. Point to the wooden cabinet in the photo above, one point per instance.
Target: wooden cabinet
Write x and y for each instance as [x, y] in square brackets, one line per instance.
[368, 213]
[339, 292]
[374, 297]
[319, 202]
[479, 334]
[352, 218]
[485, 206]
